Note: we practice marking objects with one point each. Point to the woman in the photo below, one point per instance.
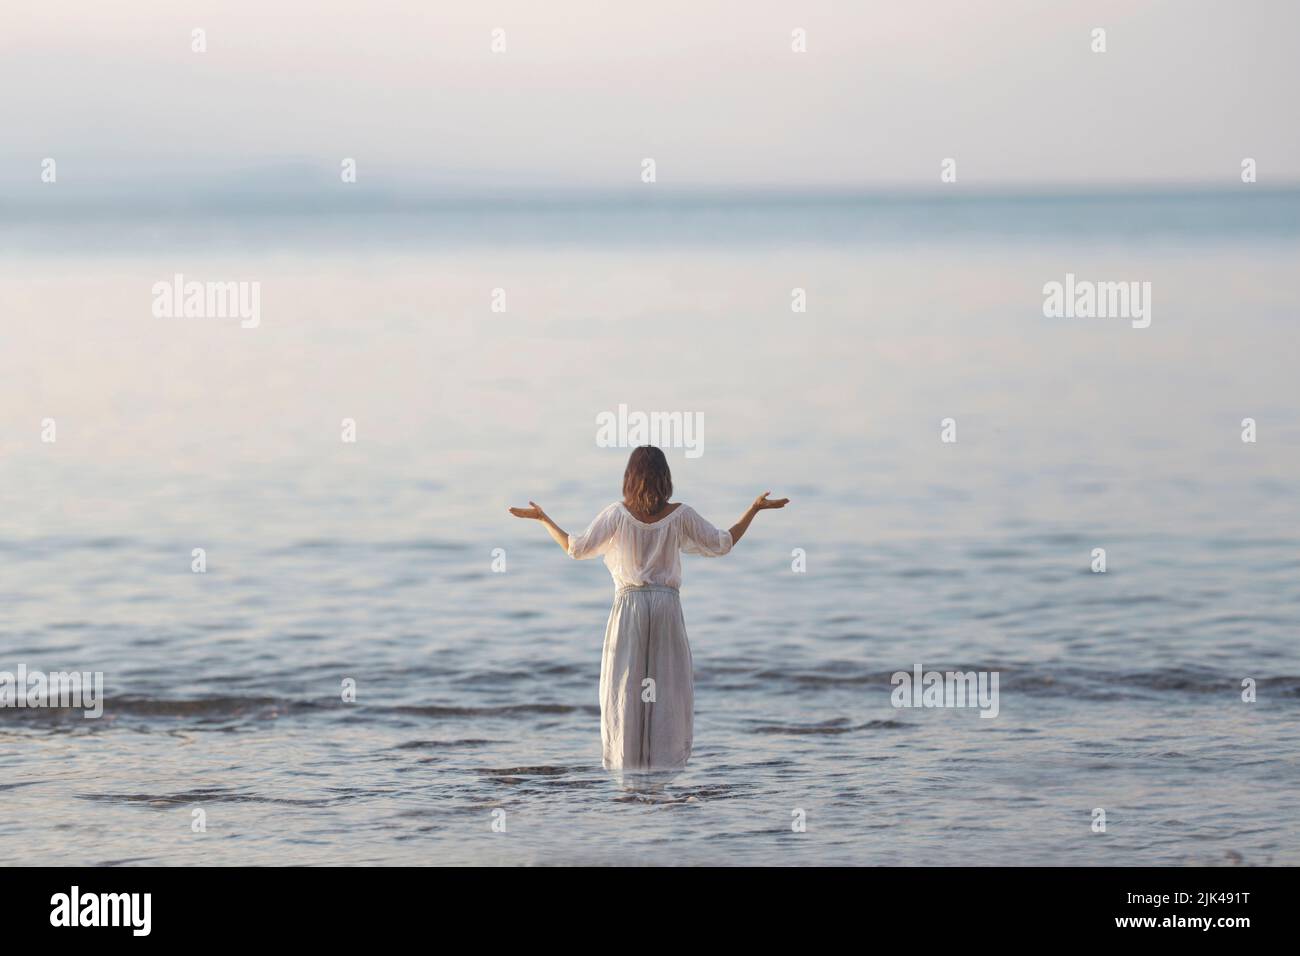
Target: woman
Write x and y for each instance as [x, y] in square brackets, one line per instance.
[647, 689]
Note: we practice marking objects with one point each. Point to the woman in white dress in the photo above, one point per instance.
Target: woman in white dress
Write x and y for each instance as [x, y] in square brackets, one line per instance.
[647, 688]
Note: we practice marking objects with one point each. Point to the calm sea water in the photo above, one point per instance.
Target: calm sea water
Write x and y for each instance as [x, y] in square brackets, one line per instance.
[477, 691]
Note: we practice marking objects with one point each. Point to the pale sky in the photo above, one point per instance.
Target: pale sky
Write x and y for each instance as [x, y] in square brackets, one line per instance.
[710, 90]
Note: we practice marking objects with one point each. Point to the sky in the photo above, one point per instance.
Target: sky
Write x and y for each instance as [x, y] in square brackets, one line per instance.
[585, 90]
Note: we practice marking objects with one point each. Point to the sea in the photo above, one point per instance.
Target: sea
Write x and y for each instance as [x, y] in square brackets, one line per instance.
[323, 640]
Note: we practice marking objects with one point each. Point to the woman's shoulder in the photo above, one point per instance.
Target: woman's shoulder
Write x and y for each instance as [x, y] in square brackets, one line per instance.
[681, 510]
[621, 510]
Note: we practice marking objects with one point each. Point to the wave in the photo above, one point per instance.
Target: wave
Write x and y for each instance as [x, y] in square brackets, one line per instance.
[838, 725]
[1045, 680]
[1038, 681]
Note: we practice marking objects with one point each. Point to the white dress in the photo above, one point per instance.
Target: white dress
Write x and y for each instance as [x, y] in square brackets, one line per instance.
[647, 688]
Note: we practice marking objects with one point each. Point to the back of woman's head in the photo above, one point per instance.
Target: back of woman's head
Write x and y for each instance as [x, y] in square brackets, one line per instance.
[647, 482]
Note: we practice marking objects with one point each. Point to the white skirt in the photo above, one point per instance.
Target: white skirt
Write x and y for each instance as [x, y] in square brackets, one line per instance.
[647, 686]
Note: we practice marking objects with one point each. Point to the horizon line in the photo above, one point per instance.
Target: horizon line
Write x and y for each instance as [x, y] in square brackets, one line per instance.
[363, 196]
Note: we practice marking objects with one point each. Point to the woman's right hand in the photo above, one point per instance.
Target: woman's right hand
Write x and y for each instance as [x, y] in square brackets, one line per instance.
[558, 534]
[763, 502]
[535, 512]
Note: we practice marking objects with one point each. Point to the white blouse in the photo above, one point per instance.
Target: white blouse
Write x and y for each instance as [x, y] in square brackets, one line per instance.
[637, 552]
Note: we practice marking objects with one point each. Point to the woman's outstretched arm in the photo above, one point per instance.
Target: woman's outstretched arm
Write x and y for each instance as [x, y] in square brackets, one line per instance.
[761, 503]
[537, 514]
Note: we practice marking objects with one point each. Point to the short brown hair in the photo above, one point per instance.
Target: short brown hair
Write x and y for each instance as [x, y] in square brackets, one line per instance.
[647, 482]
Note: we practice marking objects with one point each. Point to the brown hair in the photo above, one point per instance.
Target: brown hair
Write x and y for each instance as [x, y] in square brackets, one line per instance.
[647, 482]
